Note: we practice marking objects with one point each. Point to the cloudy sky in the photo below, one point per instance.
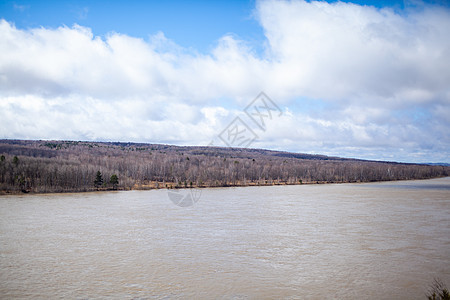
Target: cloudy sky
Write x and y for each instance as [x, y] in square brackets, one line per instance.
[364, 79]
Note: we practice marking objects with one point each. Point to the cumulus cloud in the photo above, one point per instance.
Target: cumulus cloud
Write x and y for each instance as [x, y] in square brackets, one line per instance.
[352, 81]
[342, 50]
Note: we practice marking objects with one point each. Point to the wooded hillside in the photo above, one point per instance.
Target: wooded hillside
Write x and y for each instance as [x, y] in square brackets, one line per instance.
[68, 166]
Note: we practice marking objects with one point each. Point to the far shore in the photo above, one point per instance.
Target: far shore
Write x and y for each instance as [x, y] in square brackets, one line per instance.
[172, 185]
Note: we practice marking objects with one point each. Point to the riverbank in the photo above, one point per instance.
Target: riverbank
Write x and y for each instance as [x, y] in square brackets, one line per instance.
[172, 185]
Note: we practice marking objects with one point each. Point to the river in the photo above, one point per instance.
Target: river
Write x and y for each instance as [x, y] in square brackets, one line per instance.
[383, 240]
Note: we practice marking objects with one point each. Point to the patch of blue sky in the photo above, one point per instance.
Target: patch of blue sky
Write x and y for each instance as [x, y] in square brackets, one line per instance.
[420, 115]
[190, 24]
[309, 106]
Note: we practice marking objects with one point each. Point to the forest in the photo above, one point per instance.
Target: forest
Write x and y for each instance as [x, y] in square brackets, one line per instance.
[76, 166]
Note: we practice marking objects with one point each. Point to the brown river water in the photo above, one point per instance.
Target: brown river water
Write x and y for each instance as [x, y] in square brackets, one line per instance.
[336, 241]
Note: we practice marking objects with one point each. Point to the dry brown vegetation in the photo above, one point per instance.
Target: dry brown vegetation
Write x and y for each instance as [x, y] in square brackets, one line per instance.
[68, 166]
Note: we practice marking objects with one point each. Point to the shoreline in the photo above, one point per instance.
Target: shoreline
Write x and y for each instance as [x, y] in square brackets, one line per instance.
[37, 167]
[148, 187]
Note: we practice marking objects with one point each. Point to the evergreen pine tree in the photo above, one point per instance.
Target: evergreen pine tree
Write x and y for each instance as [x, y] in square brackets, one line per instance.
[98, 179]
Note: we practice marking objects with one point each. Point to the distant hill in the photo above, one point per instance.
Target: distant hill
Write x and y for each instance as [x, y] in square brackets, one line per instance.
[70, 166]
[438, 164]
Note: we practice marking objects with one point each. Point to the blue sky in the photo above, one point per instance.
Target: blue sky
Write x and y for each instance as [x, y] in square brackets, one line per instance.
[181, 21]
[365, 79]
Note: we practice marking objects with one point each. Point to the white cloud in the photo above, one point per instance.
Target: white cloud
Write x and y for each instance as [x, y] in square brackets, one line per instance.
[383, 78]
[341, 51]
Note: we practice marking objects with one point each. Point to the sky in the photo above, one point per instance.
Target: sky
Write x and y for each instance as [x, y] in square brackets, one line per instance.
[363, 79]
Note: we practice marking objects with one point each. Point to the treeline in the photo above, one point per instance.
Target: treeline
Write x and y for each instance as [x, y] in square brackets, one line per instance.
[67, 166]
